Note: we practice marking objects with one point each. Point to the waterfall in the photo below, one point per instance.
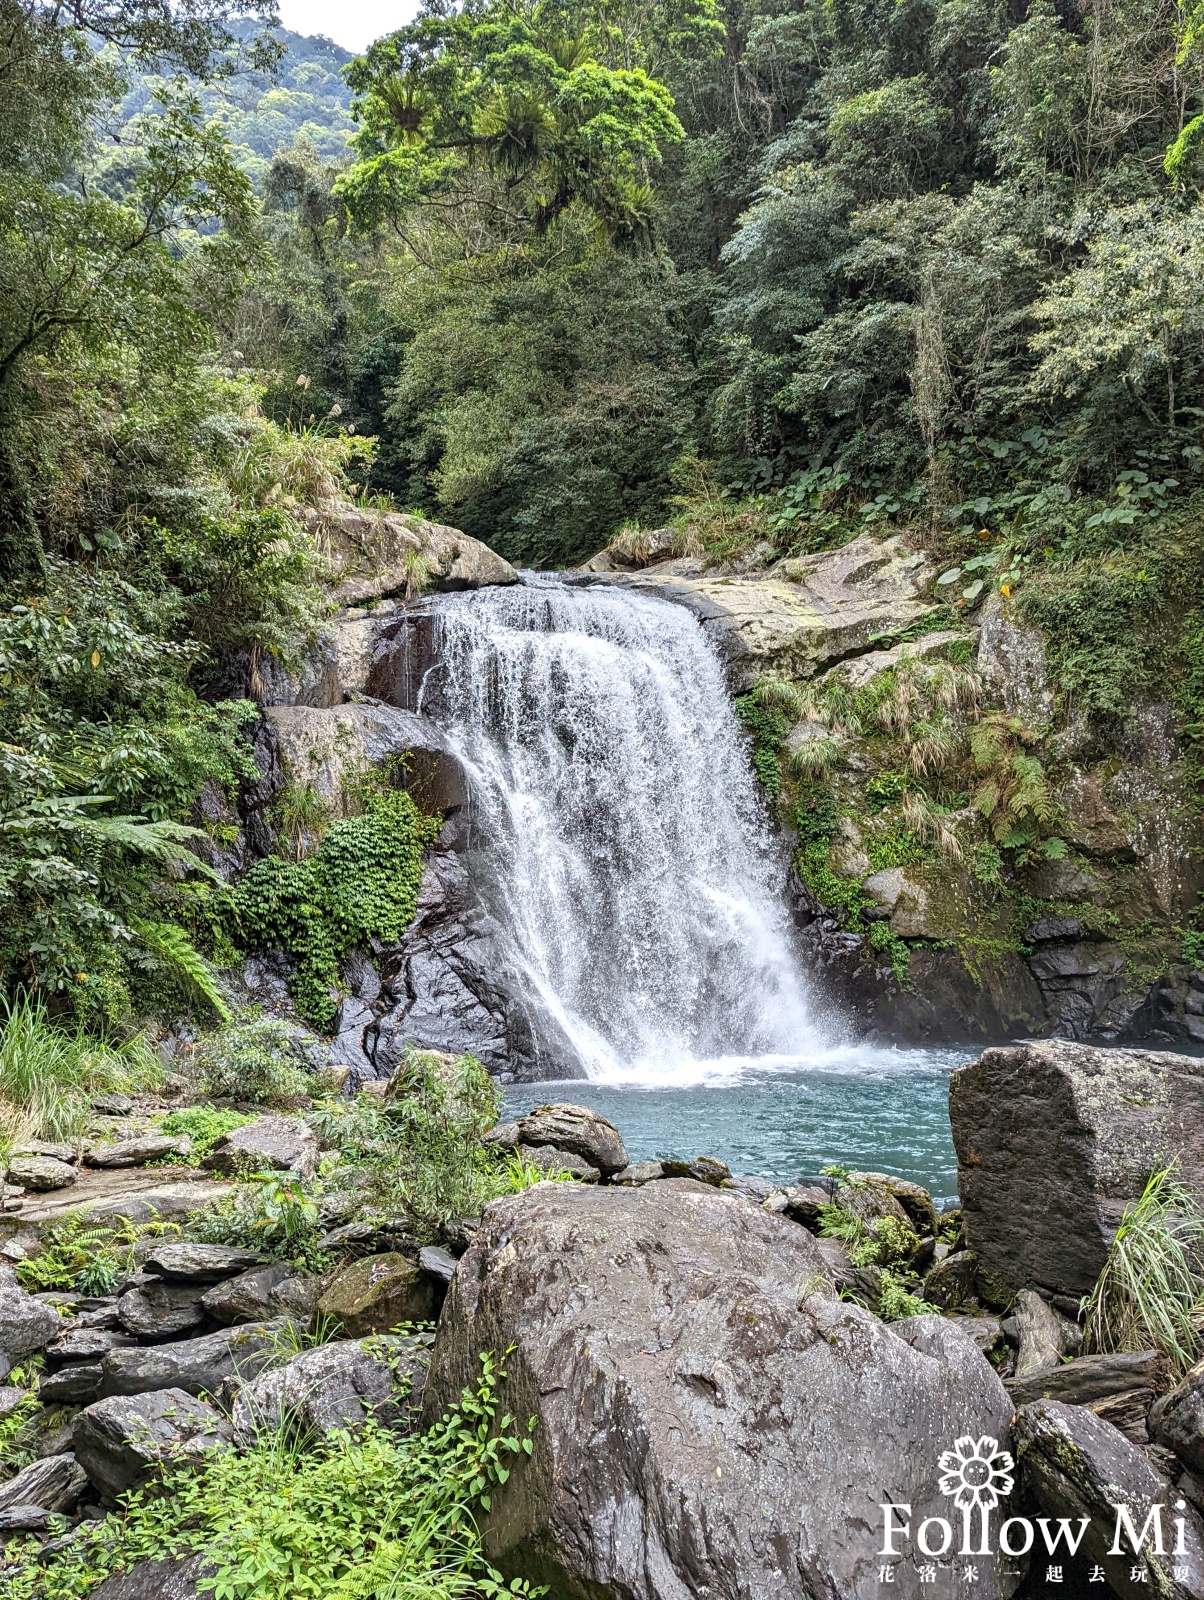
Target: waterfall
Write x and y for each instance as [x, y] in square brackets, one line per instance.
[626, 851]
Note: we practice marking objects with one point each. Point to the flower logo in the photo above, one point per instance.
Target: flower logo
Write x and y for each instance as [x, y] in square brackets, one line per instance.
[976, 1472]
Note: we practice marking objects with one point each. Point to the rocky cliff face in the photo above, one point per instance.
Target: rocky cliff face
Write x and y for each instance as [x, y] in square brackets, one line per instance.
[355, 706]
[971, 861]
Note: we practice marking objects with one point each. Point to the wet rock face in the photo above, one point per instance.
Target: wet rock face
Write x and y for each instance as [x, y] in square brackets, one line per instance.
[1053, 1140]
[733, 1430]
[1073, 1464]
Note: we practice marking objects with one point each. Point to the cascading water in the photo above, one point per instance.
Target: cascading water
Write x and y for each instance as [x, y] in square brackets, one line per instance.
[629, 861]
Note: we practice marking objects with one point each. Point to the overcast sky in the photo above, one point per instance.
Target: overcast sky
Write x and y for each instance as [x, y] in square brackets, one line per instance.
[351, 23]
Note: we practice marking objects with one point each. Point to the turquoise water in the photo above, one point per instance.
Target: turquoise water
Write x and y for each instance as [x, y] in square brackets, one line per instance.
[883, 1110]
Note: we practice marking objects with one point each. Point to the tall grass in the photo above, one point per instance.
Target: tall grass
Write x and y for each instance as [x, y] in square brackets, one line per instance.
[1150, 1294]
[48, 1073]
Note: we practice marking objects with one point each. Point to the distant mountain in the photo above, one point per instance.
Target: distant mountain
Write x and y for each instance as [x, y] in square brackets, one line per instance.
[259, 113]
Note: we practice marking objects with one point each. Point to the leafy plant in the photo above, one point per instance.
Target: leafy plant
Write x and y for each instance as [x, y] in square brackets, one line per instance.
[420, 1153]
[204, 1125]
[87, 1259]
[374, 1516]
[14, 1429]
[254, 1061]
[171, 945]
[360, 883]
[269, 1213]
[1150, 1293]
[896, 1301]
[1013, 794]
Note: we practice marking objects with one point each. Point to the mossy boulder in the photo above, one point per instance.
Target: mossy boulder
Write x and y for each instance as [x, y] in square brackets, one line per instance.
[375, 1294]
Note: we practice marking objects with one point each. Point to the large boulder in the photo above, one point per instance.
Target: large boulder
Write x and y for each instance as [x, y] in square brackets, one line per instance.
[195, 1365]
[324, 746]
[1177, 1420]
[377, 1293]
[41, 1172]
[375, 555]
[133, 1152]
[1074, 1464]
[123, 1439]
[121, 1194]
[158, 1310]
[270, 1144]
[578, 1130]
[278, 1290]
[336, 1386]
[199, 1263]
[711, 1420]
[1053, 1140]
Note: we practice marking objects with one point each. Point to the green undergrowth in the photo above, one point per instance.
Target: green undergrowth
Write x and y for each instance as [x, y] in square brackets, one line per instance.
[252, 1061]
[378, 1517]
[204, 1125]
[360, 883]
[419, 1155]
[887, 1243]
[269, 1212]
[87, 1258]
[49, 1071]
[1150, 1294]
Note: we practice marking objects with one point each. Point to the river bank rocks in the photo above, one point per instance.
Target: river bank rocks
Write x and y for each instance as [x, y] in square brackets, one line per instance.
[1053, 1140]
[729, 1377]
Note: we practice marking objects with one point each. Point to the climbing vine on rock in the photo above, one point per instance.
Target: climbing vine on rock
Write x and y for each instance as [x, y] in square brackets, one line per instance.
[361, 883]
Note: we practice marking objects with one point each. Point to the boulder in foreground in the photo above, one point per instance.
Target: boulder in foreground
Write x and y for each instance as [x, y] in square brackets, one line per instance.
[712, 1420]
[1053, 1140]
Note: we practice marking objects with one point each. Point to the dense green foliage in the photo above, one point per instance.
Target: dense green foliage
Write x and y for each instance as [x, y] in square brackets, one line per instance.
[374, 1515]
[420, 1154]
[361, 883]
[302, 97]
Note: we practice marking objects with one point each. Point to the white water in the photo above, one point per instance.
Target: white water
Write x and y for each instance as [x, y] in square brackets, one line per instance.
[632, 869]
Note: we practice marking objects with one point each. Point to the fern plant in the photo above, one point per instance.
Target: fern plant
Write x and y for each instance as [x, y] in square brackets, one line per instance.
[172, 946]
[1013, 793]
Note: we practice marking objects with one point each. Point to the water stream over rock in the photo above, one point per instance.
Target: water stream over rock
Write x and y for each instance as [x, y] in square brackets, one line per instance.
[623, 848]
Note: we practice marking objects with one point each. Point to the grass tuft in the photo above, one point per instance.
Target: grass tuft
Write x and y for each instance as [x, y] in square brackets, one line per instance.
[49, 1072]
[1150, 1294]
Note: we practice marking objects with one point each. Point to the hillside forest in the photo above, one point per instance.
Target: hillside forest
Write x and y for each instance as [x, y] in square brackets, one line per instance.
[770, 272]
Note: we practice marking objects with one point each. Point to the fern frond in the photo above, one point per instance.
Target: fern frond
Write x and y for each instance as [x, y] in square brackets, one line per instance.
[173, 946]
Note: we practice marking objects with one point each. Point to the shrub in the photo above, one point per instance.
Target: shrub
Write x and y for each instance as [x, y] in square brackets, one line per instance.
[421, 1153]
[268, 1213]
[48, 1072]
[204, 1125]
[359, 1519]
[252, 1061]
[361, 883]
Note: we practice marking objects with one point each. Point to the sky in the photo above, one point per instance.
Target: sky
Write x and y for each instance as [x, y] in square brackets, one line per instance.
[352, 23]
